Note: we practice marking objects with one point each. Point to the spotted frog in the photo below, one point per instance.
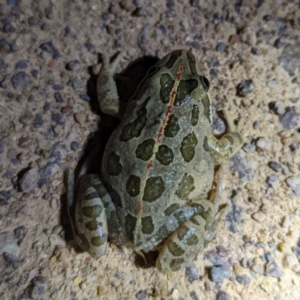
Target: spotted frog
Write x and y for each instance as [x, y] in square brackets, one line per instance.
[157, 168]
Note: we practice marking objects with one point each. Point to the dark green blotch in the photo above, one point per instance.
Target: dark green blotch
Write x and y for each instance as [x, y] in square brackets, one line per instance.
[114, 166]
[101, 190]
[175, 264]
[180, 216]
[173, 207]
[172, 126]
[206, 105]
[186, 186]
[184, 89]
[205, 144]
[91, 195]
[93, 211]
[164, 155]
[98, 241]
[92, 225]
[147, 225]
[195, 115]
[154, 188]
[114, 195]
[182, 232]
[166, 86]
[144, 150]
[188, 146]
[174, 56]
[192, 62]
[162, 233]
[134, 129]
[133, 185]
[130, 223]
[192, 240]
[175, 249]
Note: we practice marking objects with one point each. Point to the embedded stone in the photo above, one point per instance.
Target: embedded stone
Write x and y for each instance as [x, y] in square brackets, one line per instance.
[133, 185]
[172, 126]
[188, 146]
[144, 150]
[186, 186]
[154, 188]
[164, 155]
[114, 167]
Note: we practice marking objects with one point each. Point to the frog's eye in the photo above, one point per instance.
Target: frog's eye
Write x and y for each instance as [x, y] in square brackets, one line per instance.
[205, 82]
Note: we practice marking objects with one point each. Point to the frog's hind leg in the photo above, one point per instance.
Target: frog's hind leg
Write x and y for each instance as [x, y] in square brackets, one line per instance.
[89, 211]
[228, 144]
[106, 88]
[191, 237]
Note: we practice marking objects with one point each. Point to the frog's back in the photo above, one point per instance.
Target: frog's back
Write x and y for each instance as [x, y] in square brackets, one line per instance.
[157, 160]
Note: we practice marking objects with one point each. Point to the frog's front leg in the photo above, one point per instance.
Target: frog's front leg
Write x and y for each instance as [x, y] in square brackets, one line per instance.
[183, 246]
[89, 212]
[107, 90]
[228, 144]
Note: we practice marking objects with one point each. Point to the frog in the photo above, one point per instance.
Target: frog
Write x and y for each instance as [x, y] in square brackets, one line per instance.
[157, 168]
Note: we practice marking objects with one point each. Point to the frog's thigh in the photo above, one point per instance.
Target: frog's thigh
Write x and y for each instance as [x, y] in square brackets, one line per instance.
[90, 226]
[106, 88]
[228, 144]
[183, 245]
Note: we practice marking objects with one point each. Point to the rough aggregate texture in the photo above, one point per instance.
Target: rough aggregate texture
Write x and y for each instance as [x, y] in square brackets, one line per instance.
[249, 51]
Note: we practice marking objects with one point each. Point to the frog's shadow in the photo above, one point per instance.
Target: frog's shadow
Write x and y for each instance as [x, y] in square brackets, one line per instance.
[134, 73]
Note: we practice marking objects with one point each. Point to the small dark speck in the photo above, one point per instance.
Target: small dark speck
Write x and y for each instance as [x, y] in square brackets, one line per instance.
[14, 47]
[89, 46]
[193, 295]
[222, 295]
[34, 73]
[31, 98]
[255, 51]
[75, 145]
[170, 4]
[58, 97]
[221, 47]
[5, 194]
[275, 166]
[67, 30]
[58, 87]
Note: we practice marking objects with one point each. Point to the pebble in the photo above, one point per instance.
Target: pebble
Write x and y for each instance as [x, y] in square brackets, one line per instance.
[77, 84]
[141, 295]
[192, 273]
[275, 166]
[243, 279]
[20, 80]
[222, 295]
[58, 97]
[49, 48]
[219, 126]
[243, 166]
[213, 73]
[35, 73]
[28, 180]
[77, 280]
[259, 216]
[193, 295]
[271, 83]
[80, 118]
[248, 36]
[273, 270]
[221, 47]
[75, 145]
[219, 273]
[289, 119]
[22, 64]
[244, 88]
[85, 97]
[263, 144]
[294, 183]
[38, 121]
[279, 43]
[20, 232]
[8, 244]
[297, 252]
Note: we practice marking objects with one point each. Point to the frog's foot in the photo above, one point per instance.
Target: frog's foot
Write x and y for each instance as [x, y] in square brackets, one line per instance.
[228, 144]
[87, 215]
[183, 246]
[106, 87]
